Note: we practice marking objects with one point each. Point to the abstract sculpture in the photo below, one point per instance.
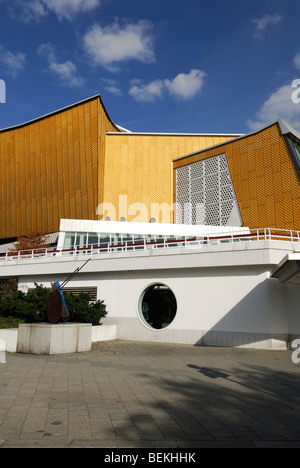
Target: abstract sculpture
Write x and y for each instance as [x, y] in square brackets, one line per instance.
[56, 306]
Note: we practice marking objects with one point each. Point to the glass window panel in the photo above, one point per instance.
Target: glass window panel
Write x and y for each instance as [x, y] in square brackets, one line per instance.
[92, 239]
[69, 240]
[81, 239]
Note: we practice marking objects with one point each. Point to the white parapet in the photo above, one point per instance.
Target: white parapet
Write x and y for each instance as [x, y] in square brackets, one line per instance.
[104, 333]
[50, 339]
[9, 336]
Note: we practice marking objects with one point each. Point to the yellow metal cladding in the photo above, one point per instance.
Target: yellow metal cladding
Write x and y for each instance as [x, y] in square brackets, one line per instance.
[264, 178]
[139, 167]
[52, 168]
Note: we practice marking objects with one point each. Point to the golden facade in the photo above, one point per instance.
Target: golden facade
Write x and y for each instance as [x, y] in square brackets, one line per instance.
[69, 163]
[53, 168]
[64, 165]
[264, 177]
[140, 167]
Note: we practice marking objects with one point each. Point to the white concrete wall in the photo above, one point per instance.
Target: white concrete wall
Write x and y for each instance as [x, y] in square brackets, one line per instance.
[9, 337]
[215, 306]
[225, 296]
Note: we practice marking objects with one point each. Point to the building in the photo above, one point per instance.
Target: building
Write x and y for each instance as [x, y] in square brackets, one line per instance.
[192, 238]
[75, 162]
[253, 179]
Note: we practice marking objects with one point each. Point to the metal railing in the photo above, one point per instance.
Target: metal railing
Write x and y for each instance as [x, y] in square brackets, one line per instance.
[254, 235]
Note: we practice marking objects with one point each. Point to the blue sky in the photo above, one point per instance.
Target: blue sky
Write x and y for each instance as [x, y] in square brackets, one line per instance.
[159, 65]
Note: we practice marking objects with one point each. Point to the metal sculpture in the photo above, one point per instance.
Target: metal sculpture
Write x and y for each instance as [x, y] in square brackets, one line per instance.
[56, 306]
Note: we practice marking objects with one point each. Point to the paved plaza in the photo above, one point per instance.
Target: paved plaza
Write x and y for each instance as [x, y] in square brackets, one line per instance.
[126, 394]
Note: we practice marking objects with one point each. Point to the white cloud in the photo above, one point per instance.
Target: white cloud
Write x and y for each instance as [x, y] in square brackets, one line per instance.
[111, 86]
[111, 44]
[278, 105]
[297, 61]
[183, 87]
[68, 9]
[34, 10]
[146, 92]
[26, 10]
[186, 86]
[66, 72]
[13, 62]
[264, 22]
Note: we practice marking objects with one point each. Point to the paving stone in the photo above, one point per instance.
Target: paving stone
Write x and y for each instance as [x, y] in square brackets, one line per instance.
[150, 395]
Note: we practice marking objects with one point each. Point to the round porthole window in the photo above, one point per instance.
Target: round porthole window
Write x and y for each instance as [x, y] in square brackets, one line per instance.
[157, 306]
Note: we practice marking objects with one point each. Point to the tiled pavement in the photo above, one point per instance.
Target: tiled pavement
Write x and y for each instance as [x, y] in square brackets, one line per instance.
[127, 394]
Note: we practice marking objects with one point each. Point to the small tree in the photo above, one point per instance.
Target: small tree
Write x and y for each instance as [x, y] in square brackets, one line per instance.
[7, 288]
[35, 240]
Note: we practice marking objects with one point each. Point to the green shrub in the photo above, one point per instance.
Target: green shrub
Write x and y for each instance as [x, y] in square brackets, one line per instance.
[82, 310]
[31, 307]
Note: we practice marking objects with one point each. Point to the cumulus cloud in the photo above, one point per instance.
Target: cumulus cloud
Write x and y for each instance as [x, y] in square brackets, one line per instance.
[183, 87]
[146, 92]
[264, 22]
[297, 61]
[13, 62]
[111, 86]
[68, 9]
[34, 10]
[186, 86]
[66, 71]
[280, 105]
[114, 43]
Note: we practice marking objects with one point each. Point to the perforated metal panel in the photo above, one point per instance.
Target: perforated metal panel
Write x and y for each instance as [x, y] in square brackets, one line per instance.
[205, 193]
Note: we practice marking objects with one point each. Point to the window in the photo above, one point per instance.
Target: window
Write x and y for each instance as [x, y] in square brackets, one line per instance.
[69, 240]
[294, 149]
[93, 239]
[157, 306]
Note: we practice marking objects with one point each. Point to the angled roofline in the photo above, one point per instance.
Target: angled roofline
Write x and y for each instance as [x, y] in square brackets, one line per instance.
[92, 98]
[175, 134]
[284, 127]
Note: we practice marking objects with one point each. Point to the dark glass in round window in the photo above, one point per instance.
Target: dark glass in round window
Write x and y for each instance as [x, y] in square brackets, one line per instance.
[157, 306]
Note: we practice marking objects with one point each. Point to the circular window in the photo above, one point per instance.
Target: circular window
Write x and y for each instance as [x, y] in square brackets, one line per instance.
[157, 306]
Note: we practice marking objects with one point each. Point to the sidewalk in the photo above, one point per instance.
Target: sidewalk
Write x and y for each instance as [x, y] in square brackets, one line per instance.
[127, 394]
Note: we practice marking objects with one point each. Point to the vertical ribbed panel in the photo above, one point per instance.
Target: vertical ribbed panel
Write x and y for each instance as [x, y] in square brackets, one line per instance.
[49, 169]
[140, 167]
[264, 178]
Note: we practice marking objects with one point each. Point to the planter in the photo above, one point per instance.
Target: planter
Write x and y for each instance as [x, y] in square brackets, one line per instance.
[49, 339]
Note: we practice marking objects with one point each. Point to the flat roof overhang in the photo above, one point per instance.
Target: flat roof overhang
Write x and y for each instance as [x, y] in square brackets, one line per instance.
[288, 270]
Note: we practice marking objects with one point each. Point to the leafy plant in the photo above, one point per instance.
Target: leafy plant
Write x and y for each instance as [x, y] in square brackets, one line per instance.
[82, 310]
[31, 241]
[31, 307]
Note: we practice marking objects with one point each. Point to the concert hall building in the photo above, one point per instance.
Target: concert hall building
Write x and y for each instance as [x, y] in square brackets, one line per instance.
[207, 226]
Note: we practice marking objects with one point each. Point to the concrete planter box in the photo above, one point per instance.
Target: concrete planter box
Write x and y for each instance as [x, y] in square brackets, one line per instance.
[9, 336]
[104, 333]
[49, 339]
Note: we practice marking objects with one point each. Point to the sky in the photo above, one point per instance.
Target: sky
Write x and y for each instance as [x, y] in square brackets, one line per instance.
[173, 66]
